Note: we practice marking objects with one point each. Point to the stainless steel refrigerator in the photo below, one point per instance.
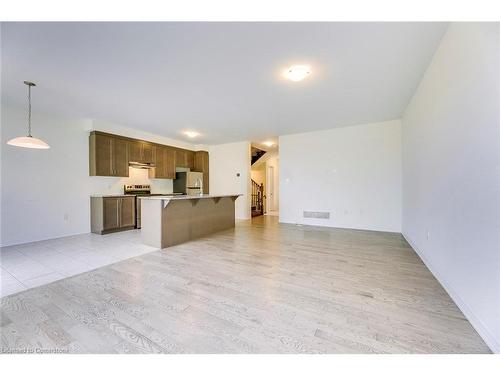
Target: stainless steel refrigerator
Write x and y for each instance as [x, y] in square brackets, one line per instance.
[190, 183]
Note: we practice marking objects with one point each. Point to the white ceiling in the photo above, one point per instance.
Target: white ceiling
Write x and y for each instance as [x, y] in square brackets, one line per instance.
[221, 79]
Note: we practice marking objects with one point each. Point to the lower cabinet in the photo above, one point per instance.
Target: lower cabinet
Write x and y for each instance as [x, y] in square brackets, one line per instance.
[111, 214]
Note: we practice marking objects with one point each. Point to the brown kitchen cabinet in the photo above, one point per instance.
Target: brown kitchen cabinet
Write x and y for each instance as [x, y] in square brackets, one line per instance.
[108, 156]
[159, 171]
[141, 152]
[111, 154]
[164, 163]
[184, 158]
[112, 214]
[170, 163]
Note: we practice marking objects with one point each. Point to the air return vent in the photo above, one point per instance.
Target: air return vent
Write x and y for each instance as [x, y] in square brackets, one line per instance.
[316, 215]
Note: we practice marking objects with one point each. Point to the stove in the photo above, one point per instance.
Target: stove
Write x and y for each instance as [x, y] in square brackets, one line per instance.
[137, 189]
[140, 191]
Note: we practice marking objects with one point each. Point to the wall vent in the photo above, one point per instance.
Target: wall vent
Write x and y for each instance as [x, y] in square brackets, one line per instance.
[316, 215]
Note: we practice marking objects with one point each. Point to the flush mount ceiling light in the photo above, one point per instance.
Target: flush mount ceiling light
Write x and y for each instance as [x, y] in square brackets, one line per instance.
[297, 73]
[191, 134]
[268, 143]
[28, 141]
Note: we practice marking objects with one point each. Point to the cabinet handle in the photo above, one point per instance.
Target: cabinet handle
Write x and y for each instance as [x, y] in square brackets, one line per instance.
[118, 211]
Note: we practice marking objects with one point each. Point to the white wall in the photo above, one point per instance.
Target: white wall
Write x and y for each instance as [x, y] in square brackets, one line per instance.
[352, 172]
[273, 196]
[226, 161]
[45, 193]
[1, 136]
[451, 175]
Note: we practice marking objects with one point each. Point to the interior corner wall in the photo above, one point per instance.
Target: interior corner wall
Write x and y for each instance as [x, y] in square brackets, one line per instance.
[230, 173]
[352, 173]
[451, 172]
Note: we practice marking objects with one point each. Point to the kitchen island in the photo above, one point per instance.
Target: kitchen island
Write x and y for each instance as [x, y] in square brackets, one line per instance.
[168, 221]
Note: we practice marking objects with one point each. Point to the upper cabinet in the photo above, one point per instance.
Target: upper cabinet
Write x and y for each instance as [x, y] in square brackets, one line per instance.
[108, 156]
[111, 154]
[164, 160]
[141, 152]
[201, 161]
[169, 154]
[184, 158]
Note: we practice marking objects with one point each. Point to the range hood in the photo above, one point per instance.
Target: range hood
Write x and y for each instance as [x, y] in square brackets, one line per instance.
[136, 164]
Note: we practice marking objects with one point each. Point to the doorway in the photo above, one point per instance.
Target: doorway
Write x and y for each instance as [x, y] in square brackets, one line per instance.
[265, 180]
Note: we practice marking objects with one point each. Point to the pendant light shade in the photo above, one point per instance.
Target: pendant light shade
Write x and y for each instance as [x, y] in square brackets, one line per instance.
[29, 141]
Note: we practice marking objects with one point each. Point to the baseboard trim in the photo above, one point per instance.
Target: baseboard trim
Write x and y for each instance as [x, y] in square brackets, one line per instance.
[324, 226]
[478, 325]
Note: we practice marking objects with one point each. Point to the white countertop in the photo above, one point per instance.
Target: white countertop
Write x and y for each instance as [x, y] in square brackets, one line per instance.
[126, 195]
[111, 195]
[184, 197]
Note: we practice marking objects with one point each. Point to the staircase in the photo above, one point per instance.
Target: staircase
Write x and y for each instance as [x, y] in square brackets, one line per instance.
[257, 199]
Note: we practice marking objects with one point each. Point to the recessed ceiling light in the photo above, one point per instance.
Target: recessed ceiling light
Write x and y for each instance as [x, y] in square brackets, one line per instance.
[268, 143]
[191, 134]
[297, 73]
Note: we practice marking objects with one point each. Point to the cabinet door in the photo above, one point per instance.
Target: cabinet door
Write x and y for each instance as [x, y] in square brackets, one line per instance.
[102, 154]
[127, 212]
[159, 159]
[180, 158]
[189, 159]
[147, 153]
[170, 163]
[135, 153]
[111, 213]
[201, 161]
[120, 157]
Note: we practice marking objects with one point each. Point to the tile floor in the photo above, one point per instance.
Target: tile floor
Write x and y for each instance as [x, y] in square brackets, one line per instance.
[29, 265]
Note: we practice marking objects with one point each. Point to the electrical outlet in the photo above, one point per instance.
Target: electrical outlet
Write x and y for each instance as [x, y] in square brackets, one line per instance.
[66, 217]
[428, 235]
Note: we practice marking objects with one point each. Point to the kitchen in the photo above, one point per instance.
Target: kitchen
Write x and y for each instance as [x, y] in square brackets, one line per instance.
[115, 155]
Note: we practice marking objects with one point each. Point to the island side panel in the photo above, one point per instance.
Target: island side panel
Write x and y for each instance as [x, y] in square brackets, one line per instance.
[151, 222]
[184, 220]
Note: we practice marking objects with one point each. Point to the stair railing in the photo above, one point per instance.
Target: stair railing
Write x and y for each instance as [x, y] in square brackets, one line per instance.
[257, 199]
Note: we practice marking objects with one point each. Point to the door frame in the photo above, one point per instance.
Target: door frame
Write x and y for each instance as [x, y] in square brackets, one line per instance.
[270, 188]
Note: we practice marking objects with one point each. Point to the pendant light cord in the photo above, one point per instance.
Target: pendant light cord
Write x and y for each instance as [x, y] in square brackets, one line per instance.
[29, 110]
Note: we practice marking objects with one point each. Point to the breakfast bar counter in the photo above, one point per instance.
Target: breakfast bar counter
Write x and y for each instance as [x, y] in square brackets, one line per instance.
[168, 220]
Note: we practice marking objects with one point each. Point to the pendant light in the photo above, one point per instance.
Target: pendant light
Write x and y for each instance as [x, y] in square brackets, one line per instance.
[29, 141]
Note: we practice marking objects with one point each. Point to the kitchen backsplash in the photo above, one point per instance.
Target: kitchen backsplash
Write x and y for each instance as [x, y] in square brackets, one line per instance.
[114, 185]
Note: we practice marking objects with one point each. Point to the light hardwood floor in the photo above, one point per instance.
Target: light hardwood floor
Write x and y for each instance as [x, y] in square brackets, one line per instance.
[262, 287]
